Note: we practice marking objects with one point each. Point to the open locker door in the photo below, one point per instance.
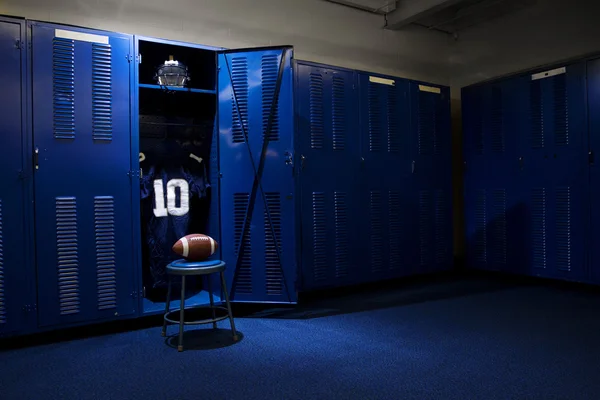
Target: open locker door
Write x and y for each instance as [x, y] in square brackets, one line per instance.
[256, 141]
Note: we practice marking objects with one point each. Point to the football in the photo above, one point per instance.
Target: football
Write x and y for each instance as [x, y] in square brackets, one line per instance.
[195, 247]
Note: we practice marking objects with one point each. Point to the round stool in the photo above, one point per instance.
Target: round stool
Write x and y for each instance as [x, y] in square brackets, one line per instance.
[185, 268]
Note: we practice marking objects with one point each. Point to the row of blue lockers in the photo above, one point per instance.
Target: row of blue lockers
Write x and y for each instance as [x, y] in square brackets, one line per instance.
[355, 181]
[531, 180]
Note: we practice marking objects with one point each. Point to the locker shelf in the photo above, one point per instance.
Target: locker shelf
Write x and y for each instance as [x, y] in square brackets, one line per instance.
[177, 89]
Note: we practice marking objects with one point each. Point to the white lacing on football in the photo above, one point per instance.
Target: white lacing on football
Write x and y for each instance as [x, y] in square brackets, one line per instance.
[186, 248]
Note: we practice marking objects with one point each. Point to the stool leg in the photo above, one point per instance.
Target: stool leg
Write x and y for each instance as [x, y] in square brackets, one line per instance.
[212, 300]
[224, 287]
[167, 306]
[181, 315]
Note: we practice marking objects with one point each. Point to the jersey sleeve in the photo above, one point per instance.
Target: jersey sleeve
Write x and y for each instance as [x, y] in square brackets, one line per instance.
[146, 183]
[195, 175]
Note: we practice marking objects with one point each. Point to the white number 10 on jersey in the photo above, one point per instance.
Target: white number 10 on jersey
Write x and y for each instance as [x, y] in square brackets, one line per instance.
[171, 207]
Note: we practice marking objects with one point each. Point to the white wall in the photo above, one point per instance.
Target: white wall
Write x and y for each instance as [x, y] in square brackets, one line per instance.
[320, 31]
[550, 31]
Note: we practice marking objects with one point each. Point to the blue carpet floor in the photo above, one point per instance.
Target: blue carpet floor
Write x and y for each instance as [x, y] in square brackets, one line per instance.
[499, 342]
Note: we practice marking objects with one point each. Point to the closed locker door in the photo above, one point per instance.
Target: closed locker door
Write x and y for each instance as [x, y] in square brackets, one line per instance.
[81, 128]
[327, 121]
[257, 194]
[386, 192]
[502, 183]
[475, 175]
[593, 92]
[556, 172]
[17, 280]
[432, 153]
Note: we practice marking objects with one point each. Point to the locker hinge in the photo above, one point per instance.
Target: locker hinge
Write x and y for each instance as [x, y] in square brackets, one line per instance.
[19, 44]
[134, 295]
[134, 174]
[138, 58]
[129, 57]
[591, 157]
[289, 159]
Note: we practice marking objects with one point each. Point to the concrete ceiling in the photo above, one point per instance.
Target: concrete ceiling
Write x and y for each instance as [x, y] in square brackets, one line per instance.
[453, 16]
[375, 6]
[449, 16]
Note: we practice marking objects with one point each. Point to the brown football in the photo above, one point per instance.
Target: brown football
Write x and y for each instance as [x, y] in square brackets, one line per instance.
[195, 247]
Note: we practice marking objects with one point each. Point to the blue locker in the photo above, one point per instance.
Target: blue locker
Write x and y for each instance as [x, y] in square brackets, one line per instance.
[386, 186]
[17, 273]
[432, 183]
[493, 177]
[593, 96]
[475, 175]
[554, 145]
[257, 185]
[329, 144]
[81, 130]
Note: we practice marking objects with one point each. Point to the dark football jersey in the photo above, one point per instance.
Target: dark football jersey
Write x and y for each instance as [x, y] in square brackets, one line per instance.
[171, 192]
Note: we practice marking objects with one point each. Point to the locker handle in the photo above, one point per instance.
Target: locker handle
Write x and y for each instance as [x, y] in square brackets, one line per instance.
[521, 163]
[36, 156]
[412, 168]
[302, 160]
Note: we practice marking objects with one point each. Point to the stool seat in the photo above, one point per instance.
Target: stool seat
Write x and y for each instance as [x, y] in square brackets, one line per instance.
[184, 267]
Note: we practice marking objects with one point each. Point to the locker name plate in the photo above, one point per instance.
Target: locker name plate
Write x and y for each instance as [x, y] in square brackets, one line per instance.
[430, 89]
[548, 74]
[375, 79]
[84, 37]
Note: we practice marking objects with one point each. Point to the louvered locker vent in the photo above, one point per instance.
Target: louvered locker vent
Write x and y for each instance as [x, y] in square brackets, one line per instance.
[244, 275]
[480, 240]
[497, 132]
[538, 227]
[319, 236]
[537, 115]
[63, 79]
[338, 114]
[563, 228]
[68, 255]
[376, 217]
[561, 111]
[102, 92]
[2, 283]
[395, 229]
[476, 119]
[393, 132]
[428, 123]
[441, 222]
[273, 245]
[239, 83]
[426, 236]
[317, 129]
[498, 240]
[375, 128]
[104, 217]
[270, 72]
[341, 234]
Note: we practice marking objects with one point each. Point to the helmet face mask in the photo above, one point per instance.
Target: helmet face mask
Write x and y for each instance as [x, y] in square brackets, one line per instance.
[172, 73]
